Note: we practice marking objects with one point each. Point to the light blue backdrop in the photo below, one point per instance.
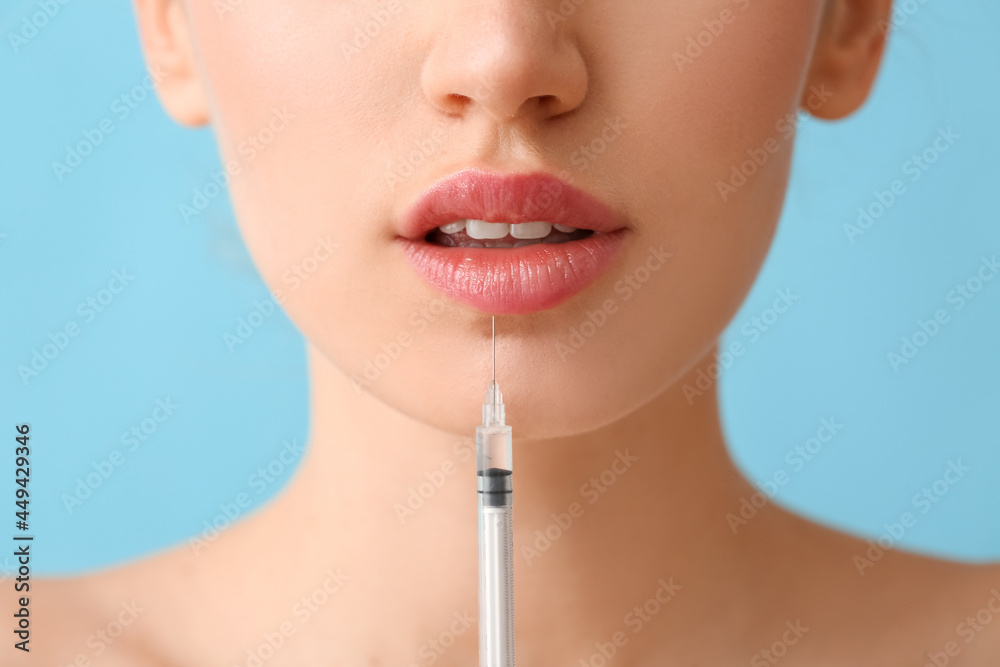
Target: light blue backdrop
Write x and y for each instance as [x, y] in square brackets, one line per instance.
[155, 332]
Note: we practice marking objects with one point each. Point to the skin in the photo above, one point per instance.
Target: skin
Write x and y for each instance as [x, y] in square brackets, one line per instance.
[508, 90]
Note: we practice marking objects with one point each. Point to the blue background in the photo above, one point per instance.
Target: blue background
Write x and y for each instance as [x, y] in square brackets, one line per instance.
[162, 336]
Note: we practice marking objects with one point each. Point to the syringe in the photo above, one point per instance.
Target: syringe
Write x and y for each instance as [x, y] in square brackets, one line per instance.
[494, 448]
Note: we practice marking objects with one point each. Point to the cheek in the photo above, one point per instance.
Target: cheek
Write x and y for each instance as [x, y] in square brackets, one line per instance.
[311, 193]
[706, 97]
[299, 114]
[707, 154]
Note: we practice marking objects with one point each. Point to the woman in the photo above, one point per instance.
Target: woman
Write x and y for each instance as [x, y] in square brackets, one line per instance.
[362, 138]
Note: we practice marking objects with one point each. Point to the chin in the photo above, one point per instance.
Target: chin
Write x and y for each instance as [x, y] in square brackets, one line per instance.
[438, 374]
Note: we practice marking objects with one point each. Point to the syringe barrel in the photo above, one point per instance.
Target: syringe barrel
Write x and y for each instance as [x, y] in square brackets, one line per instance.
[496, 547]
[494, 454]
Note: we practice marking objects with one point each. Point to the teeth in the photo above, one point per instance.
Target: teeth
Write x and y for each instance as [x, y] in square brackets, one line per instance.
[480, 229]
[531, 230]
[453, 227]
[525, 231]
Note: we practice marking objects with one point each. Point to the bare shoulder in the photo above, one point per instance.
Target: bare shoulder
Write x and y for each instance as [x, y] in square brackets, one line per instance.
[976, 625]
[954, 609]
[133, 613]
[90, 619]
[900, 607]
[109, 617]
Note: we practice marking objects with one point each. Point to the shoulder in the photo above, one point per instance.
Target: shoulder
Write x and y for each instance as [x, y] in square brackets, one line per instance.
[84, 620]
[133, 613]
[115, 616]
[975, 623]
[902, 606]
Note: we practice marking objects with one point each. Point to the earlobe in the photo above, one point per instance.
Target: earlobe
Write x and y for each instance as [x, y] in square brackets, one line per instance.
[847, 56]
[169, 51]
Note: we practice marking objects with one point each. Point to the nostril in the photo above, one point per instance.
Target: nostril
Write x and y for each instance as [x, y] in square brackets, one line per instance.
[544, 102]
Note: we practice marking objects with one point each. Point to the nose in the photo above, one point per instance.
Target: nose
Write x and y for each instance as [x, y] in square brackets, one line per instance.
[504, 58]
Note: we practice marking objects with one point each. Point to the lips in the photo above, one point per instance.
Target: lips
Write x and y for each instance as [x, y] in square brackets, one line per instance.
[512, 281]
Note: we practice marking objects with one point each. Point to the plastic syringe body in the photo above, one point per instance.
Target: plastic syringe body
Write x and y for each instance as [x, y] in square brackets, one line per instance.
[494, 449]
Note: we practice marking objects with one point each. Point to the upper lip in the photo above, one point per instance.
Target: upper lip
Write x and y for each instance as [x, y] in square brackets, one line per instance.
[506, 197]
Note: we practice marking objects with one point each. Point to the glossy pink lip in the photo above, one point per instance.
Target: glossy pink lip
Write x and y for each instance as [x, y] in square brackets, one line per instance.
[512, 281]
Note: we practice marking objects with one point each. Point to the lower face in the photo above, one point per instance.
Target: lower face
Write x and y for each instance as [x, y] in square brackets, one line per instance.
[678, 117]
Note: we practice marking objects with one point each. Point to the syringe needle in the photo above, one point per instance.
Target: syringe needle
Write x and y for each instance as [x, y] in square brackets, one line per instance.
[494, 348]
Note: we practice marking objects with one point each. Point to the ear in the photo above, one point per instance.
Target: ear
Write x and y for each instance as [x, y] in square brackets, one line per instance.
[170, 57]
[847, 56]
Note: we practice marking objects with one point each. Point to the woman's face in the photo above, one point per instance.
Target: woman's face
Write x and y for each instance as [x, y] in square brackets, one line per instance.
[334, 117]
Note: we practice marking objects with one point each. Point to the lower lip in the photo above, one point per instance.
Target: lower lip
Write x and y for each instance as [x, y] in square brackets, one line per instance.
[515, 281]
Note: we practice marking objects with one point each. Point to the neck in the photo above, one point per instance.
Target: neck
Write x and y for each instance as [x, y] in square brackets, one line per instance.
[603, 521]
